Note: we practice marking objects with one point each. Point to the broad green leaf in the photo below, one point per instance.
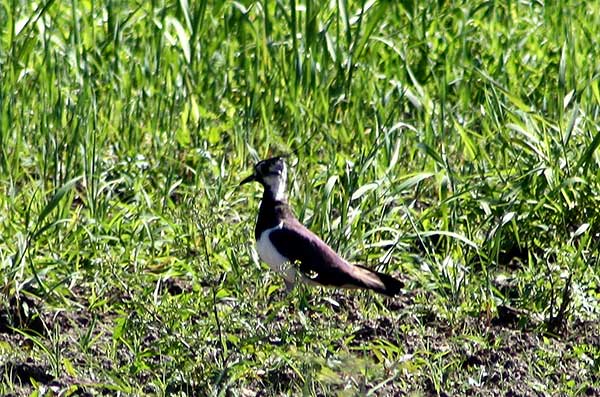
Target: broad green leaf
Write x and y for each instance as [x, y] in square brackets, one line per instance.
[182, 37]
[508, 217]
[58, 195]
[585, 158]
[572, 123]
[329, 185]
[469, 145]
[361, 191]
[581, 229]
[428, 150]
[185, 9]
[453, 235]
[413, 180]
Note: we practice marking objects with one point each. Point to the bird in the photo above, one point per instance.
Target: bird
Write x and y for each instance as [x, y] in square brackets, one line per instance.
[292, 250]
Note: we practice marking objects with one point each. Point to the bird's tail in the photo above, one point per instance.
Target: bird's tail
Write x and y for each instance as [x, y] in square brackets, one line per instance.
[378, 282]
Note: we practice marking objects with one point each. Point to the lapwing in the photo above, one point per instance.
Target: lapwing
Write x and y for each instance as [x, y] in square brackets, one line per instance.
[295, 252]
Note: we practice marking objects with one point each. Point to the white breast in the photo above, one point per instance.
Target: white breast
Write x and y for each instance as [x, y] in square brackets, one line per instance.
[269, 254]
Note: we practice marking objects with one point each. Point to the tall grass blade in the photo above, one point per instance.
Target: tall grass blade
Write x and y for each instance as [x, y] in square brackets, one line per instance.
[586, 157]
[56, 198]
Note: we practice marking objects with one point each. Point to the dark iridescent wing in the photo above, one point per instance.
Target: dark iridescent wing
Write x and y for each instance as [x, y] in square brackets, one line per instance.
[311, 255]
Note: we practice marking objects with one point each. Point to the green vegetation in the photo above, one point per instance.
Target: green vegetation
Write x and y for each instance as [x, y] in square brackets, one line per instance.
[453, 144]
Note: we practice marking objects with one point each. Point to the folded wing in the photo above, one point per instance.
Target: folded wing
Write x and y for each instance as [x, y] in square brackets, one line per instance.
[317, 261]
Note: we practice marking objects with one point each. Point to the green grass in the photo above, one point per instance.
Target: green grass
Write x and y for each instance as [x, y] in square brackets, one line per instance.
[451, 144]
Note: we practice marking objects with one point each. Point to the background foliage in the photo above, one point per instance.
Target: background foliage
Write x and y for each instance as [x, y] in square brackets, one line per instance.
[450, 143]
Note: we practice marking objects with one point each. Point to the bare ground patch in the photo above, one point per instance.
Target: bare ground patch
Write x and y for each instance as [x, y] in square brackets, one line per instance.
[477, 357]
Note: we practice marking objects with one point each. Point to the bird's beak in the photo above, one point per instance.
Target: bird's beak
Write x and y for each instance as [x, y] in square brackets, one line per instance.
[251, 178]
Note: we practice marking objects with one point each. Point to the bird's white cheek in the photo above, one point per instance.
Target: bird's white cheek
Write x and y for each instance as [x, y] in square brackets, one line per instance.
[276, 184]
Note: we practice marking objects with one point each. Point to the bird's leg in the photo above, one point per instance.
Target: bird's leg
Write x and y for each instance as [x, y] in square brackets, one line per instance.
[289, 286]
[303, 296]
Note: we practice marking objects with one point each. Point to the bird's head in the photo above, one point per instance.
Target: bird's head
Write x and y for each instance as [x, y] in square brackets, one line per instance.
[272, 174]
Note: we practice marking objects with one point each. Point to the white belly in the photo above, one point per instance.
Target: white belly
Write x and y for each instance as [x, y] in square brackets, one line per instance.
[269, 254]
